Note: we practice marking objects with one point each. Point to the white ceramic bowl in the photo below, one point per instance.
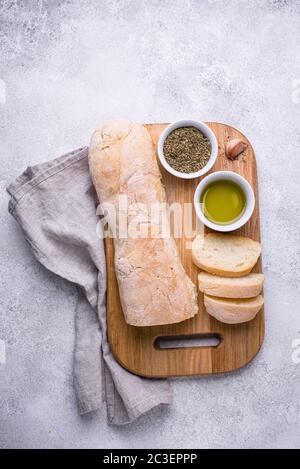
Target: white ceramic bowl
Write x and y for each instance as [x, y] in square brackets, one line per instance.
[208, 134]
[248, 191]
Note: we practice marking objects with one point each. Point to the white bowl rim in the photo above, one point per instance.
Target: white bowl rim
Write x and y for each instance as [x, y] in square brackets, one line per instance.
[250, 200]
[205, 130]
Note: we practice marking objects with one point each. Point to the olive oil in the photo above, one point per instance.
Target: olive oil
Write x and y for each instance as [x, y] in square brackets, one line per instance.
[223, 201]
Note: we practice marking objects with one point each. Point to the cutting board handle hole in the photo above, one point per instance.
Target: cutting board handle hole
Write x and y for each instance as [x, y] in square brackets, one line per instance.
[187, 341]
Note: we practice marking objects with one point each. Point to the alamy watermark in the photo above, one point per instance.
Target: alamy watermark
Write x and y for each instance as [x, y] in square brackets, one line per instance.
[296, 351]
[129, 219]
[2, 92]
[2, 352]
[296, 91]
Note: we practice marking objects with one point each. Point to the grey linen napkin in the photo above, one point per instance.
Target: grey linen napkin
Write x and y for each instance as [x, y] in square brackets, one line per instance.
[55, 205]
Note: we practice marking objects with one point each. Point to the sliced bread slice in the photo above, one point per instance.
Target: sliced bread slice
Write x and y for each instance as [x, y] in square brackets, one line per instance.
[233, 311]
[226, 287]
[226, 255]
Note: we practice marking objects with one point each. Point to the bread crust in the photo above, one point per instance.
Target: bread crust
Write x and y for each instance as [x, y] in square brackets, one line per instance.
[221, 272]
[154, 288]
[229, 287]
[233, 311]
[225, 255]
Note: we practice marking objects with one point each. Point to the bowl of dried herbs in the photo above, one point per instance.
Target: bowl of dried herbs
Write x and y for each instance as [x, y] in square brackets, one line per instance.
[187, 149]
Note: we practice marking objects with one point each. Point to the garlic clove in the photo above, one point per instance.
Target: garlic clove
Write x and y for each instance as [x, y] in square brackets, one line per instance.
[235, 147]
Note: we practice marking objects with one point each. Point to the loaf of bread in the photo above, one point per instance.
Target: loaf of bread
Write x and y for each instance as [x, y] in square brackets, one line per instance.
[226, 287]
[233, 311]
[225, 255]
[154, 288]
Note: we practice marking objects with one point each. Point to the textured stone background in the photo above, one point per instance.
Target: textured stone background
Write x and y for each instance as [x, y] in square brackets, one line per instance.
[67, 66]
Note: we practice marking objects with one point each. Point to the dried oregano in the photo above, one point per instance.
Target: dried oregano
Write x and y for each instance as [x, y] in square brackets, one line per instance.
[187, 150]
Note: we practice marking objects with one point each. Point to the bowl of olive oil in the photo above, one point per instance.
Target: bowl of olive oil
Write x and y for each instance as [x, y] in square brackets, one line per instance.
[224, 201]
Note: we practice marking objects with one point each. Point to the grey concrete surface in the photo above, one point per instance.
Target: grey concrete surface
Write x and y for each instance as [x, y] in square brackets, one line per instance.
[67, 65]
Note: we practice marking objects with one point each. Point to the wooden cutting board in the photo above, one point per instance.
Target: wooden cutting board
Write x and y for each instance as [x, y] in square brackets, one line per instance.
[138, 349]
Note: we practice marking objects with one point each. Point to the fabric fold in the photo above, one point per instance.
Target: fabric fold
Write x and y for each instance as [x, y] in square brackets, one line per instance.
[55, 205]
